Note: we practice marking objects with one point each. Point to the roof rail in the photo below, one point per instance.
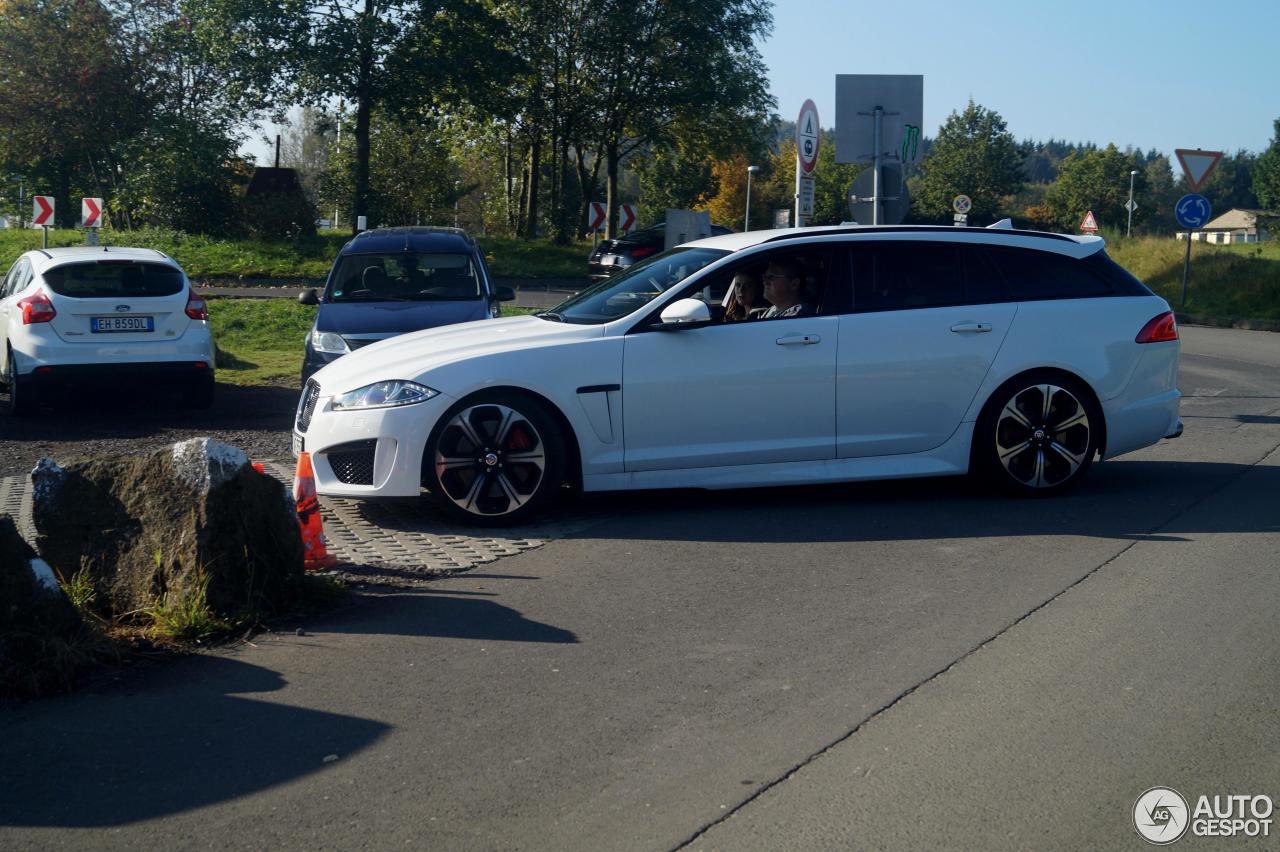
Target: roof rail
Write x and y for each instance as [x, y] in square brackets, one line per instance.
[906, 229]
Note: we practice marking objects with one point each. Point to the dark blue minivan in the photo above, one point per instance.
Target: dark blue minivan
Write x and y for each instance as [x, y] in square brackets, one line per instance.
[393, 280]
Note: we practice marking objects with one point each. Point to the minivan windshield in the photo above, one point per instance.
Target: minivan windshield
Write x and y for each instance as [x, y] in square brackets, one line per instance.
[404, 276]
[629, 291]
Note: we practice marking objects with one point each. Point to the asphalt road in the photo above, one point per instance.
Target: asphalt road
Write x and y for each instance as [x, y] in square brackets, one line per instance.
[886, 665]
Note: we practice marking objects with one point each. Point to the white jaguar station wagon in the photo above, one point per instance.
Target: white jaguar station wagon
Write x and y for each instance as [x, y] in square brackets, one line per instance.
[766, 358]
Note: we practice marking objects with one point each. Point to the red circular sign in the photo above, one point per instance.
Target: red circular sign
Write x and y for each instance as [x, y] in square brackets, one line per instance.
[808, 136]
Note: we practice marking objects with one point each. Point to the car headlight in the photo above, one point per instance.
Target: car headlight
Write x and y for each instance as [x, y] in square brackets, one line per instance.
[328, 342]
[384, 395]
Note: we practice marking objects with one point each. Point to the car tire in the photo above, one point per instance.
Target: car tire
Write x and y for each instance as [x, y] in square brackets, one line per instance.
[199, 395]
[23, 398]
[1037, 435]
[497, 458]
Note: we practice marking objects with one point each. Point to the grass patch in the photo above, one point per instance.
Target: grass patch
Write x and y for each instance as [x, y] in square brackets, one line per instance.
[1235, 281]
[210, 257]
[509, 257]
[260, 340]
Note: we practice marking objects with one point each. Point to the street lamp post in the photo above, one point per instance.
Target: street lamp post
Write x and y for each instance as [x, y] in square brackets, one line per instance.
[457, 199]
[1132, 174]
[746, 220]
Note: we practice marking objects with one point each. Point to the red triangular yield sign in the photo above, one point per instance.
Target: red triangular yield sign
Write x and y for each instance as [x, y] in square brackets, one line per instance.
[1089, 223]
[1197, 165]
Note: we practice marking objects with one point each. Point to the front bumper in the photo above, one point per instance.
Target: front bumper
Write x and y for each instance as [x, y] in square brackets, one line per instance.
[396, 437]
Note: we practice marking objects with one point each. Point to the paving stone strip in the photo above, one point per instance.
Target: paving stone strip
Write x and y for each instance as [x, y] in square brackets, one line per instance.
[384, 542]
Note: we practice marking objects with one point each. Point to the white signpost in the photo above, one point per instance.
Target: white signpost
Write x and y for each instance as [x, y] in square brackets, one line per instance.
[808, 140]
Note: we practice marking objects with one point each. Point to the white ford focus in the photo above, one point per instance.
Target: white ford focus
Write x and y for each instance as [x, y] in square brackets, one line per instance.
[77, 316]
[874, 353]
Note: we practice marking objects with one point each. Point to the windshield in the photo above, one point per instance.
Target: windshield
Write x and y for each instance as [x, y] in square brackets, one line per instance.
[404, 276]
[631, 290]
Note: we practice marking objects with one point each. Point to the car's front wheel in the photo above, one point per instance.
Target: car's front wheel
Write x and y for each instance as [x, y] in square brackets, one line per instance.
[495, 459]
[1038, 435]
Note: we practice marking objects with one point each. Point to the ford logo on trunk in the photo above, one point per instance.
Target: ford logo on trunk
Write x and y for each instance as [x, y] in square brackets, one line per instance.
[123, 309]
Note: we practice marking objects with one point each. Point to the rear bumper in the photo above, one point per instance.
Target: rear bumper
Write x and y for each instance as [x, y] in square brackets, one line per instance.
[168, 372]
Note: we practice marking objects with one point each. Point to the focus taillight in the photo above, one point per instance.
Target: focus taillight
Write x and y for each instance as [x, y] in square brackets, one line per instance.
[36, 308]
[196, 307]
[643, 251]
[1161, 328]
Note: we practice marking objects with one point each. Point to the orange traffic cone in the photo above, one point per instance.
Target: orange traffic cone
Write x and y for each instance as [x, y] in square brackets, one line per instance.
[315, 556]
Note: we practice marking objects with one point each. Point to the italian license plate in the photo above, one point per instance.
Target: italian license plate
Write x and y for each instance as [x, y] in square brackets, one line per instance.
[108, 324]
[298, 444]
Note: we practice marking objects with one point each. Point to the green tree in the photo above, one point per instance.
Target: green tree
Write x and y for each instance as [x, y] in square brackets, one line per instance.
[1266, 175]
[397, 54]
[974, 155]
[1096, 181]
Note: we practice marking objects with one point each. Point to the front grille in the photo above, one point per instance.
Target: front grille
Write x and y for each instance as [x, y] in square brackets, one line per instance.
[353, 463]
[307, 405]
[354, 343]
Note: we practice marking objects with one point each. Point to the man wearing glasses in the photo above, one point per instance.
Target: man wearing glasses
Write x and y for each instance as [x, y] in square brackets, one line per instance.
[784, 290]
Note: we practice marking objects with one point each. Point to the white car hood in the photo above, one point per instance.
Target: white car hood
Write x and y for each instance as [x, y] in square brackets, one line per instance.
[410, 356]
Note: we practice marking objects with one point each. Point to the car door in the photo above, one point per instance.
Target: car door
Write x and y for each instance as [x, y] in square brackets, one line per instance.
[733, 393]
[19, 272]
[926, 323]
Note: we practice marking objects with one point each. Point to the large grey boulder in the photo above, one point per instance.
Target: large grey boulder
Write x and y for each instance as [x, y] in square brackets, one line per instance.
[159, 524]
[36, 619]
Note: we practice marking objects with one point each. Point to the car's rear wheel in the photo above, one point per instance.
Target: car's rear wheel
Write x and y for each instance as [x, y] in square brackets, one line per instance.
[1038, 435]
[495, 459]
[23, 399]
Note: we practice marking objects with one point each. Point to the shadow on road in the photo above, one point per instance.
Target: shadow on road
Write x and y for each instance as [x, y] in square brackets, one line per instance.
[1121, 500]
[445, 615]
[118, 758]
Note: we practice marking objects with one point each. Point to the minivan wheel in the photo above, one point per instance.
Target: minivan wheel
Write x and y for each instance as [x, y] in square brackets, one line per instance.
[495, 459]
[22, 397]
[1038, 435]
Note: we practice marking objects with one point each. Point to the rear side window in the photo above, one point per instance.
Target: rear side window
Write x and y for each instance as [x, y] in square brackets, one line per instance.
[114, 279]
[1032, 275]
[895, 276]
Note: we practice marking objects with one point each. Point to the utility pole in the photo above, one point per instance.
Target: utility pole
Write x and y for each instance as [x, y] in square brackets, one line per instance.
[746, 219]
[1130, 205]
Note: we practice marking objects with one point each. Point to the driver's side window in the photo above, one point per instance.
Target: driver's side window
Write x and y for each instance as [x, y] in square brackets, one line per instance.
[778, 285]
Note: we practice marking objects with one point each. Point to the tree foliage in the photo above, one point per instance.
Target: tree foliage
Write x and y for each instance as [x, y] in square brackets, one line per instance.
[974, 155]
[1098, 181]
[1266, 181]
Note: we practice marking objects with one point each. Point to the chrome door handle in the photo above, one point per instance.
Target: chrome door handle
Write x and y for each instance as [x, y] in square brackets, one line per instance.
[799, 339]
[971, 327]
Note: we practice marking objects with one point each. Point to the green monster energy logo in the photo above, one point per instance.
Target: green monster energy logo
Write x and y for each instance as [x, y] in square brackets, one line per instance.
[910, 142]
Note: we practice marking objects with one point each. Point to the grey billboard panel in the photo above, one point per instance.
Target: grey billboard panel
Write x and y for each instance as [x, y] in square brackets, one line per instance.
[901, 96]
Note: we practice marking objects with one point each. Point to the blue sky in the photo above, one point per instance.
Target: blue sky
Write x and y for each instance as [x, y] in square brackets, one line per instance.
[1164, 75]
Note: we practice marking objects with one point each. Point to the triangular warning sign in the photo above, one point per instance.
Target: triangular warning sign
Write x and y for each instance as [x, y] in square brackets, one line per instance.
[1197, 165]
[1089, 223]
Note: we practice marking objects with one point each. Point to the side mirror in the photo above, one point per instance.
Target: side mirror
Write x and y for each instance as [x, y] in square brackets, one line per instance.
[309, 297]
[504, 294]
[685, 313]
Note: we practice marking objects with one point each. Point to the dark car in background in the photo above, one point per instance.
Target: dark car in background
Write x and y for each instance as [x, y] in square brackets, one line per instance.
[390, 281]
[612, 256]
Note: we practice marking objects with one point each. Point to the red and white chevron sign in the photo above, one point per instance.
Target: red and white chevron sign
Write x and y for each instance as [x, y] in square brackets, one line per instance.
[597, 216]
[42, 210]
[91, 212]
[628, 217]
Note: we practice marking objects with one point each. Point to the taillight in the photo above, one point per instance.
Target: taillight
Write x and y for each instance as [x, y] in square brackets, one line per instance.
[37, 308]
[643, 251]
[1161, 328]
[196, 307]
